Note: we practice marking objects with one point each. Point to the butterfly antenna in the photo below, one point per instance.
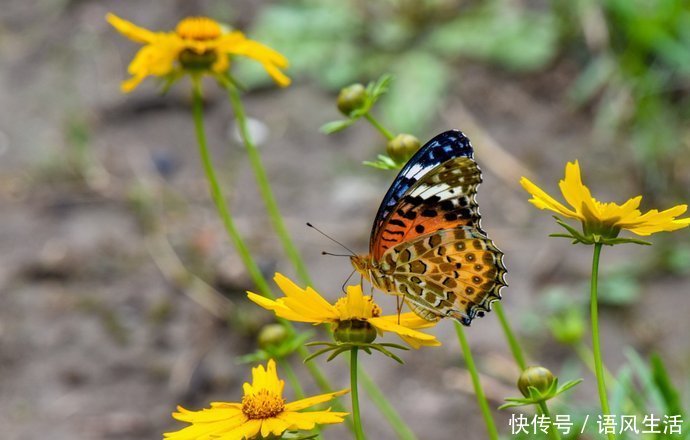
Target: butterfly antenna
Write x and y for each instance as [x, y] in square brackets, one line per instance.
[332, 239]
[348, 279]
[335, 255]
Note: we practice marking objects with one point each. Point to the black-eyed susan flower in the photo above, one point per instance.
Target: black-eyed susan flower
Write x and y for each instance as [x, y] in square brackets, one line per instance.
[263, 412]
[355, 316]
[603, 221]
[199, 45]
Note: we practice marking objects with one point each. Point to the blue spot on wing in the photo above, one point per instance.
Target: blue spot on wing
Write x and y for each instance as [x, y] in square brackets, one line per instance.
[443, 147]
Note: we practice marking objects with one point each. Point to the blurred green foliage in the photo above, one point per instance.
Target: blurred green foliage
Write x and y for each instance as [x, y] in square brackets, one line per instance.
[339, 43]
[636, 55]
[632, 59]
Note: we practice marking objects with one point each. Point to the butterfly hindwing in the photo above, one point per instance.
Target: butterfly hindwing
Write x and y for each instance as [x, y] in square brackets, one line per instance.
[456, 273]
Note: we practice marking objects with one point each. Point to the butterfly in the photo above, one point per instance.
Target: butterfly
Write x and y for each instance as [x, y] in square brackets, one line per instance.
[427, 244]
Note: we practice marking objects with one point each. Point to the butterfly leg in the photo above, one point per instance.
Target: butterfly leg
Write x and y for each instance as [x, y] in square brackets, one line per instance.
[399, 305]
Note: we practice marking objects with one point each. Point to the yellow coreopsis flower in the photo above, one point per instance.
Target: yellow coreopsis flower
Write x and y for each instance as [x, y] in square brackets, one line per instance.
[262, 413]
[604, 219]
[351, 315]
[198, 45]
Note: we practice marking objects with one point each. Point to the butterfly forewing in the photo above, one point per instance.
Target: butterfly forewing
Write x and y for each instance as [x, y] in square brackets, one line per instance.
[442, 148]
[443, 199]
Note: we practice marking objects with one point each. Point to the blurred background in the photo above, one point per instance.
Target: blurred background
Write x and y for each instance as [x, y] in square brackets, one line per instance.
[117, 279]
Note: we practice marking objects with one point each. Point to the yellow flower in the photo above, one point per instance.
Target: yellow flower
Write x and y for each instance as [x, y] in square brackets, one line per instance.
[606, 219]
[198, 45]
[350, 312]
[262, 413]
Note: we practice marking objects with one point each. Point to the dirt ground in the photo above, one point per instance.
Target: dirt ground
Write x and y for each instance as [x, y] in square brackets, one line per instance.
[110, 242]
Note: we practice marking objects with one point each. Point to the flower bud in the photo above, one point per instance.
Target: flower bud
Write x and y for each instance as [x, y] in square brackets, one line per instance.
[272, 335]
[402, 147]
[537, 377]
[351, 98]
[354, 330]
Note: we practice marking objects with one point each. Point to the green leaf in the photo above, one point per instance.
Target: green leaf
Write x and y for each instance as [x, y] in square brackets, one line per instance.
[622, 388]
[642, 371]
[384, 163]
[514, 404]
[318, 353]
[381, 86]
[665, 386]
[568, 385]
[335, 126]
[613, 241]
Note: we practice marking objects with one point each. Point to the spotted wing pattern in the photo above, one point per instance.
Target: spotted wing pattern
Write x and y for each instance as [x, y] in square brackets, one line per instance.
[445, 146]
[443, 199]
[455, 273]
[428, 237]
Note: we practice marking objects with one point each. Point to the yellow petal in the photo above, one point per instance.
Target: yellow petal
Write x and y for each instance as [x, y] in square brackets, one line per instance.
[202, 428]
[654, 221]
[206, 415]
[308, 420]
[273, 426]
[255, 50]
[627, 212]
[157, 59]
[278, 76]
[132, 83]
[410, 320]
[271, 60]
[281, 310]
[247, 430]
[129, 29]
[222, 64]
[414, 338]
[306, 300]
[542, 200]
[356, 305]
[576, 193]
[315, 400]
[265, 379]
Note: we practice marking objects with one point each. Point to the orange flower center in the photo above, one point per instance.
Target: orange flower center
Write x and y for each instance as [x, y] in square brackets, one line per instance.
[263, 404]
[371, 309]
[198, 28]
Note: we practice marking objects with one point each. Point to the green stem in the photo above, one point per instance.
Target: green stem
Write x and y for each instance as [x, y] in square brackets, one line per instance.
[586, 356]
[510, 336]
[481, 398]
[274, 213]
[359, 433]
[553, 432]
[596, 346]
[243, 251]
[379, 399]
[219, 199]
[387, 134]
[265, 187]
